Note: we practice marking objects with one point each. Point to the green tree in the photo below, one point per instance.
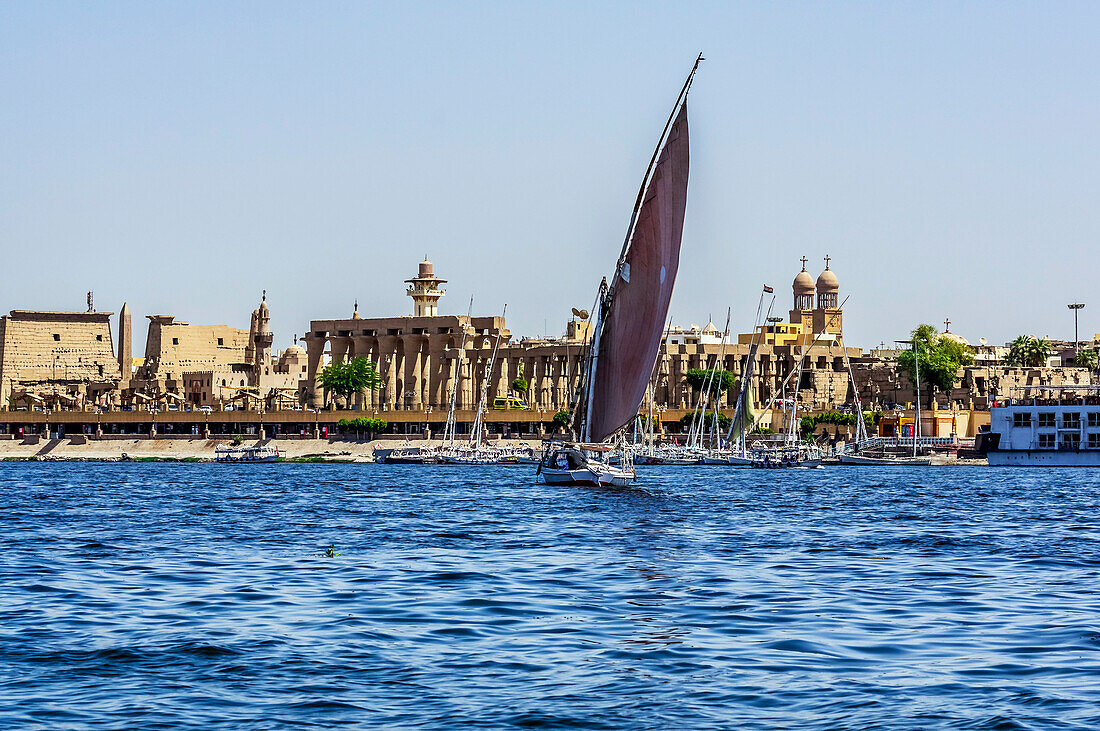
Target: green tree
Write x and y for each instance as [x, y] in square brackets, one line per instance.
[698, 377]
[363, 425]
[519, 385]
[562, 419]
[1028, 352]
[871, 419]
[1087, 359]
[723, 420]
[938, 356]
[348, 379]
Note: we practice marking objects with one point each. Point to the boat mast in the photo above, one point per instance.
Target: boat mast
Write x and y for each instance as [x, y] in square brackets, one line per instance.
[450, 429]
[861, 427]
[593, 356]
[746, 373]
[783, 385]
[475, 433]
[719, 379]
[916, 369]
[695, 433]
[791, 426]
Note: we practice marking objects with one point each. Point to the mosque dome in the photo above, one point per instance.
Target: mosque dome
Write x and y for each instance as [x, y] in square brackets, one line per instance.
[426, 269]
[294, 350]
[803, 283]
[264, 311]
[827, 281]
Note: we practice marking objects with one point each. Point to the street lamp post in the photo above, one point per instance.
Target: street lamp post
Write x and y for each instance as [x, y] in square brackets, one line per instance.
[1075, 307]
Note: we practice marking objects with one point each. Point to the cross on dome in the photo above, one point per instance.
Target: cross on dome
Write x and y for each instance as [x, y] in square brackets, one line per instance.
[827, 260]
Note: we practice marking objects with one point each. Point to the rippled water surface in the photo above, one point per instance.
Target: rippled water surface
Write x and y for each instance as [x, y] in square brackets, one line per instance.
[200, 595]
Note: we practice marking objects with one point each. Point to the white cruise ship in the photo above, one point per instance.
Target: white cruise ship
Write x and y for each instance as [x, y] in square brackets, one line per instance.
[1054, 426]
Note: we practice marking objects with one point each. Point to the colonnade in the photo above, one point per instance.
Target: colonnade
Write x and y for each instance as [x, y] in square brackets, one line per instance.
[419, 371]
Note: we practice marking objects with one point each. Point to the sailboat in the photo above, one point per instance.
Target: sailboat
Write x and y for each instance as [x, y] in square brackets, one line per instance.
[793, 452]
[733, 451]
[631, 313]
[872, 452]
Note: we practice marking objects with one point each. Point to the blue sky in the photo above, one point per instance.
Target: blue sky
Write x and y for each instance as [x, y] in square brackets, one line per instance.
[185, 156]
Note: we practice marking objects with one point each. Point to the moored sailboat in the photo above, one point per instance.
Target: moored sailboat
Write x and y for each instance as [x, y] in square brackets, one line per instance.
[631, 313]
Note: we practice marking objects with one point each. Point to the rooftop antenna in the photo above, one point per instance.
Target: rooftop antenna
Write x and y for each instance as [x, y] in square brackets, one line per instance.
[91, 307]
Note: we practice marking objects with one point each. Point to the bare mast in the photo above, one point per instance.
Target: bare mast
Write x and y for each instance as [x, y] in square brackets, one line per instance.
[475, 433]
[449, 432]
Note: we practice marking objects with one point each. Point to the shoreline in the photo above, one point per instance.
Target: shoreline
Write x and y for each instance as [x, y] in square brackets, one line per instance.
[193, 450]
[300, 451]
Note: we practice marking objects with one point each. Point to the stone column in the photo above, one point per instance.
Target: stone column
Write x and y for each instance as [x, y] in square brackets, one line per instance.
[424, 385]
[395, 372]
[340, 348]
[315, 348]
[415, 362]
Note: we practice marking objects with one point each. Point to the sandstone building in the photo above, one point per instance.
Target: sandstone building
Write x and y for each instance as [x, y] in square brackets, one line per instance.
[216, 365]
[58, 359]
[423, 357]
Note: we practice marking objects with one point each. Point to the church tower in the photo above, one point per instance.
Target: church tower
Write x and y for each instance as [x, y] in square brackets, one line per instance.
[827, 316]
[803, 288]
[424, 290]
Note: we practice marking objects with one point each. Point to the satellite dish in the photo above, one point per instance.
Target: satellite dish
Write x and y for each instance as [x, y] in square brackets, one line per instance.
[576, 312]
[982, 341]
[584, 314]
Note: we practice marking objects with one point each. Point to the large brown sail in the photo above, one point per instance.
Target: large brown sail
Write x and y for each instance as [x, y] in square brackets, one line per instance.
[636, 307]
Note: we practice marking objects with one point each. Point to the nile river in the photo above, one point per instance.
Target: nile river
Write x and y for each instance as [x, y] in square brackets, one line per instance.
[199, 596]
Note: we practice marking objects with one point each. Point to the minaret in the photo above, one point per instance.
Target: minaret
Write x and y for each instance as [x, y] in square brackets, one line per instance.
[424, 290]
[125, 345]
[250, 349]
[263, 338]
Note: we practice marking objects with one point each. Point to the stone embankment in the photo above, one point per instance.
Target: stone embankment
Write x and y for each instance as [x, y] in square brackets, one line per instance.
[81, 449]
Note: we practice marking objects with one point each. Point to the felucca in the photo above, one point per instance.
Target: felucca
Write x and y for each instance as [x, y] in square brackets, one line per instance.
[631, 313]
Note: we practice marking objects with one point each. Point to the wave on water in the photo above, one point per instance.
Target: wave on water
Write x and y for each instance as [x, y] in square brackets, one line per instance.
[175, 596]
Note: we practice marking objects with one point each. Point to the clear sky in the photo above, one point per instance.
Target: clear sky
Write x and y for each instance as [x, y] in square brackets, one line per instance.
[185, 156]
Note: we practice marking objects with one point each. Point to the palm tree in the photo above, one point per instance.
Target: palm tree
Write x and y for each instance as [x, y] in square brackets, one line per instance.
[1027, 351]
[1087, 358]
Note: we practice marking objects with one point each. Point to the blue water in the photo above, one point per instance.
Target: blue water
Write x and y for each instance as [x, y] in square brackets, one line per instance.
[199, 596]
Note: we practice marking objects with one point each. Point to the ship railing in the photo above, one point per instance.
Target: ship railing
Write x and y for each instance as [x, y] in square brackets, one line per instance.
[883, 442]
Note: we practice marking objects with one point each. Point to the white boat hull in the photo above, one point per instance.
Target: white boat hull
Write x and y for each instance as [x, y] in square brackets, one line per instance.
[1043, 458]
[587, 477]
[856, 459]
